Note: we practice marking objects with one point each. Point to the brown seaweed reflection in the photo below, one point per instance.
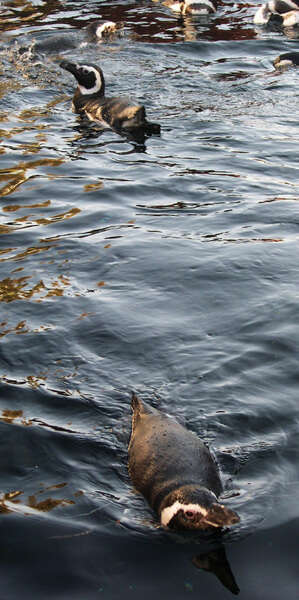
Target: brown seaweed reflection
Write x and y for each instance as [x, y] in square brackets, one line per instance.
[31, 380]
[7, 86]
[15, 207]
[24, 11]
[7, 134]
[68, 214]
[8, 416]
[6, 229]
[60, 217]
[48, 503]
[28, 252]
[216, 562]
[10, 502]
[23, 172]
[93, 187]
[12, 416]
[14, 289]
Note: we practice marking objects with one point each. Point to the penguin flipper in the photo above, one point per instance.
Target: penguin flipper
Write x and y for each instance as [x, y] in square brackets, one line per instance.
[152, 128]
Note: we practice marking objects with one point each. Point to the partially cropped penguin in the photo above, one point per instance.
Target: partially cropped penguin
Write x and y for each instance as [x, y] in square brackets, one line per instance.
[118, 112]
[286, 60]
[284, 13]
[192, 7]
[175, 472]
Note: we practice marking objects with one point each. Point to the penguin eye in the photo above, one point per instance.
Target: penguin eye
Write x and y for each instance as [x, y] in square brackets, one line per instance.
[190, 514]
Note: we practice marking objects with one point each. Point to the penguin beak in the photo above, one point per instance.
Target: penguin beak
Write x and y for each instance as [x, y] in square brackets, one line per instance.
[68, 66]
[220, 516]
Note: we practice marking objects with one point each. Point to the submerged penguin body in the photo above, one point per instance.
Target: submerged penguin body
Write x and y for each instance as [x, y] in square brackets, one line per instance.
[175, 472]
[283, 13]
[198, 7]
[119, 113]
[51, 43]
[192, 7]
[288, 59]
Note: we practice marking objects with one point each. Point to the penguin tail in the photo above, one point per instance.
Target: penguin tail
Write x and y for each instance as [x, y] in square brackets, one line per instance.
[152, 128]
[135, 403]
[136, 406]
[140, 408]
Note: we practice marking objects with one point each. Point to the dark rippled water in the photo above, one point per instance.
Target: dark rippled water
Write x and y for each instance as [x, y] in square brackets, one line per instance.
[170, 269]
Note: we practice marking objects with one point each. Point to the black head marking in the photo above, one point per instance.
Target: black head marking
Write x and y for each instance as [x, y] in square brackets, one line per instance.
[90, 78]
[291, 57]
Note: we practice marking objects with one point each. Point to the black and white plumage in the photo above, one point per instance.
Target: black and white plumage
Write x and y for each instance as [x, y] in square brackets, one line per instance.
[192, 7]
[288, 59]
[119, 113]
[278, 12]
[101, 29]
[95, 32]
[175, 472]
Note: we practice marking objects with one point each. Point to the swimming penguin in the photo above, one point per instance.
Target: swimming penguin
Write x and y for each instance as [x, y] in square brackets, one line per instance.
[120, 113]
[175, 472]
[192, 7]
[288, 59]
[94, 32]
[278, 12]
[100, 29]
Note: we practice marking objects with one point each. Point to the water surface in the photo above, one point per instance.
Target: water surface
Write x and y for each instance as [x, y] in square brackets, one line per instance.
[170, 269]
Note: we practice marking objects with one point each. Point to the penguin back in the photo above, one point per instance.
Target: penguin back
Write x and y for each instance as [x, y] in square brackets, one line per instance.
[175, 471]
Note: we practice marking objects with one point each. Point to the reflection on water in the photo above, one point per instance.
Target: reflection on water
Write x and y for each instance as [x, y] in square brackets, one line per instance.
[216, 562]
[19, 173]
[13, 289]
[127, 267]
[11, 502]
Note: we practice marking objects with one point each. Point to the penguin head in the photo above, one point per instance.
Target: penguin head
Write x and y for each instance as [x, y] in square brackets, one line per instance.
[190, 7]
[289, 59]
[195, 508]
[100, 29]
[198, 7]
[90, 78]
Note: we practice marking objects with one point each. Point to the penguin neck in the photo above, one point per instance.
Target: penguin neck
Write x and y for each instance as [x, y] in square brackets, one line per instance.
[81, 100]
[164, 496]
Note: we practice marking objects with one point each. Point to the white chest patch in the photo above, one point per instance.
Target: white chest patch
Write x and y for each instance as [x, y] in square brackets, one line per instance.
[105, 28]
[284, 64]
[176, 6]
[291, 18]
[170, 511]
[85, 91]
